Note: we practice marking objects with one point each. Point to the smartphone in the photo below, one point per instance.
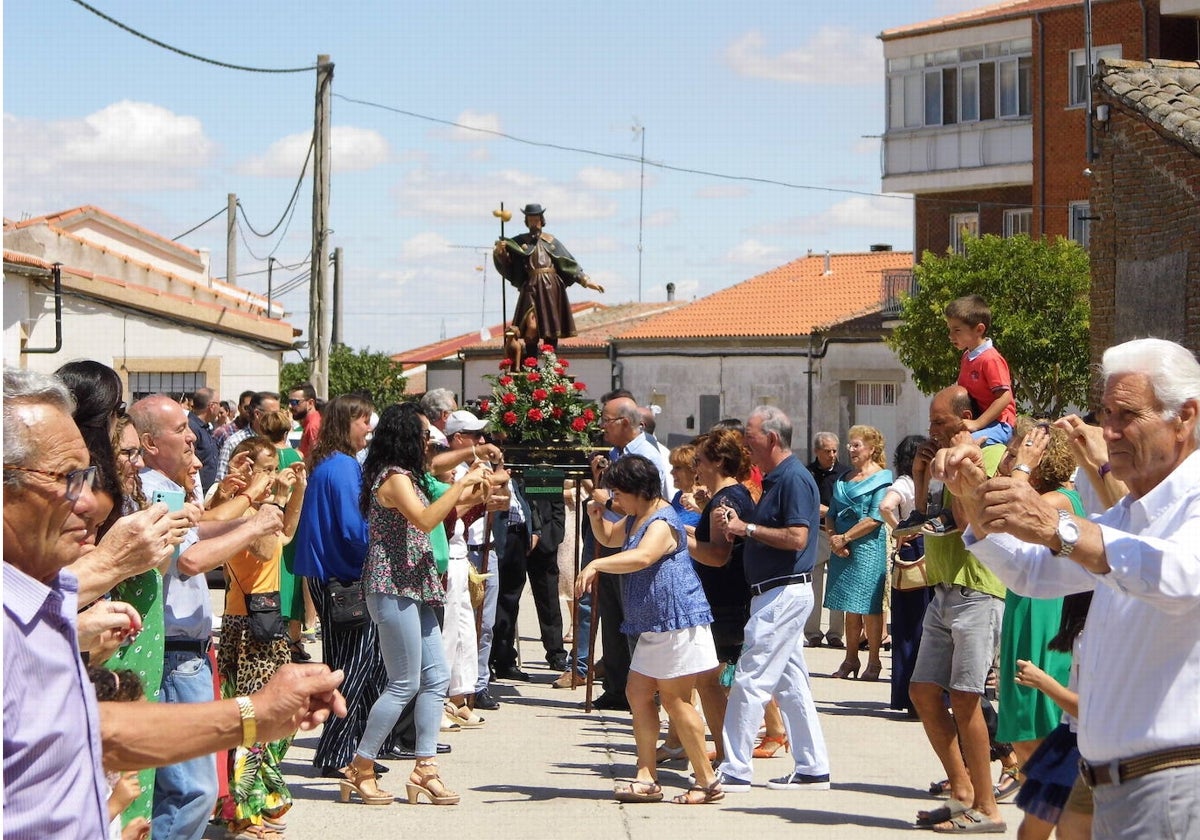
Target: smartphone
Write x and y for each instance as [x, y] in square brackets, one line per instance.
[174, 501]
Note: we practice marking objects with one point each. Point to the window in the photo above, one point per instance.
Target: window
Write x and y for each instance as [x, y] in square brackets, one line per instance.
[1081, 222]
[874, 393]
[968, 91]
[962, 225]
[145, 383]
[1080, 77]
[1018, 221]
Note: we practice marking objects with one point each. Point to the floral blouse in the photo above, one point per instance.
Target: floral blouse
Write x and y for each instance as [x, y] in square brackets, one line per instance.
[399, 554]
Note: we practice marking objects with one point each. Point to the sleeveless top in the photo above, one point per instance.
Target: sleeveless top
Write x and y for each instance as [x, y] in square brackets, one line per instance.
[665, 595]
[400, 557]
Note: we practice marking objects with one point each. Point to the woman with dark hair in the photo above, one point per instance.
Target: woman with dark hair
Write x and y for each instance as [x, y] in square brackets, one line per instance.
[665, 606]
[908, 606]
[331, 545]
[97, 390]
[404, 507]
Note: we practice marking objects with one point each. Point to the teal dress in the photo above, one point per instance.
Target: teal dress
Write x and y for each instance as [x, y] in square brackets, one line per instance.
[855, 584]
[291, 586]
[1026, 714]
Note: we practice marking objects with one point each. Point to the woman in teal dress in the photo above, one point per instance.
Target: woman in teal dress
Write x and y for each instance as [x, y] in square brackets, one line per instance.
[275, 428]
[1042, 456]
[858, 562]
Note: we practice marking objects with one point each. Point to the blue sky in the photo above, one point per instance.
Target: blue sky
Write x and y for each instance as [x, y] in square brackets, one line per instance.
[760, 92]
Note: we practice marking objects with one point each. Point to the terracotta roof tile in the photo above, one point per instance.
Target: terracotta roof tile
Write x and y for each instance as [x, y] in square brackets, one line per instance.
[448, 347]
[1005, 10]
[57, 219]
[595, 329]
[1165, 93]
[791, 300]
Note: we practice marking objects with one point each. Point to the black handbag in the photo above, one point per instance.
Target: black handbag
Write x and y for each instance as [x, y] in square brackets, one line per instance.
[347, 603]
[267, 623]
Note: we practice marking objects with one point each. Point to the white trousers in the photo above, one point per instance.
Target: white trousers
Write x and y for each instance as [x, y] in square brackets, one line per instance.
[458, 630]
[772, 665]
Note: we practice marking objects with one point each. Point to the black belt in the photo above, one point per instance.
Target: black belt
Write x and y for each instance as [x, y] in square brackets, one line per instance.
[191, 646]
[775, 583]
[478, 547]
[1124, 770]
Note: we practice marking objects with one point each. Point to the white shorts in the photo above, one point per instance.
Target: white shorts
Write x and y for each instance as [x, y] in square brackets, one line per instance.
[675, 653]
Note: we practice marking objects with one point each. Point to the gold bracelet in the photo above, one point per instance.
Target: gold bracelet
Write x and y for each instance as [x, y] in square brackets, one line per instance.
[249, 723]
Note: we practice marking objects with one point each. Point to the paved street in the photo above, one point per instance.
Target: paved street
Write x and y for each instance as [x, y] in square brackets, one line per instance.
[542, 768]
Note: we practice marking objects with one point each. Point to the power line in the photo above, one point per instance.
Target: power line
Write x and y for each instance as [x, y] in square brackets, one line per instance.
[165, 46]
[197, 227]
[291, 202]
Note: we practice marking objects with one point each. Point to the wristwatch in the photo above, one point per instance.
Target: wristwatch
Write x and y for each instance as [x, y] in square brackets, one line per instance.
[1025, 468]
[1068, 534]
[249, 723]
[750, 529]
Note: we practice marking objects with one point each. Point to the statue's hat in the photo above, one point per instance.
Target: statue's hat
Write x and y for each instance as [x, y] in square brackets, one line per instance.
[534, 210]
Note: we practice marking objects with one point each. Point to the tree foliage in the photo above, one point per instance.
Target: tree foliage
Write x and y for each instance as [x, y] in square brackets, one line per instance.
[353, 371]
[1038, 294]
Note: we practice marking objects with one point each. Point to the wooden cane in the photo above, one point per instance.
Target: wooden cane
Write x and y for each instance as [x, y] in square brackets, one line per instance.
[575, 598]
[483, 567]
[595, 596]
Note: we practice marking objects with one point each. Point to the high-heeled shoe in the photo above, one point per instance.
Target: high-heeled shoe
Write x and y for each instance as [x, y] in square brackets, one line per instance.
[871, 674]
[430, 785]
[769, 745]
[846, 671]
[365, 785]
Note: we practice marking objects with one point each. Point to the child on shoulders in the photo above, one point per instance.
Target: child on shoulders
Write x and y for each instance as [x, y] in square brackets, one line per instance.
[982, 370]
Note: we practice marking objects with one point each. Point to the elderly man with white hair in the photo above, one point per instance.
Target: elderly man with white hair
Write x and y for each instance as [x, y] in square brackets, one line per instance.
[1139, 668]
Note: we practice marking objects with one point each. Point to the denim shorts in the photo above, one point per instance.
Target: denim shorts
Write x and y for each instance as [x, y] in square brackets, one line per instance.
[959, 638]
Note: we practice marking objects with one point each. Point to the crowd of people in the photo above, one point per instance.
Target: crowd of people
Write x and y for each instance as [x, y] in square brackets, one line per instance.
[399, 536]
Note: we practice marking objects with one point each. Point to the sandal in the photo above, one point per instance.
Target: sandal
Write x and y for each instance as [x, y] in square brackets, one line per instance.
[628, 791]
[770, 745]
[971, 821]
[712, 793]
[1008, 784]
[940, 789]
[664, 754]
[947, 812]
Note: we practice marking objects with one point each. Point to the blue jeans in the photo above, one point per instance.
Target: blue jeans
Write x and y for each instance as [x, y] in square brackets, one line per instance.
[185, 793]
[487, 623]
[583, 633]
[410, 642]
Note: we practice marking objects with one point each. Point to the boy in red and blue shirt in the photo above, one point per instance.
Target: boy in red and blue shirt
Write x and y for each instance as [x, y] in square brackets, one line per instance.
[982, 370]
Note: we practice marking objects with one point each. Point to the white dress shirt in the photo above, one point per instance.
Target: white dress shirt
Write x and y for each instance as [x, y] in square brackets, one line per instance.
[1139, 678]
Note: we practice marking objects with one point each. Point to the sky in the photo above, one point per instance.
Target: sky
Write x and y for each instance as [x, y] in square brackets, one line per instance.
[759, 120]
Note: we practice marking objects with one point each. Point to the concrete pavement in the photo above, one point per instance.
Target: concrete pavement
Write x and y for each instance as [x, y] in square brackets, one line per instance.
[543, 768]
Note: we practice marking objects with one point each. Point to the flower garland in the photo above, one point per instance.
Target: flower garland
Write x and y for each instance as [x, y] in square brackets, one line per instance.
[540, 402]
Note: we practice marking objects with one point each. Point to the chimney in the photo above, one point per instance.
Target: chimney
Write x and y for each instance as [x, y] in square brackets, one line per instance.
[670, 292]
[880, 247]
[828, 265]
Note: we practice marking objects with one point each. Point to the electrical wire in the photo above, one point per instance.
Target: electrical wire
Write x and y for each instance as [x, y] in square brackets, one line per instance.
[197, 227]
[186, 54]
[291, 202]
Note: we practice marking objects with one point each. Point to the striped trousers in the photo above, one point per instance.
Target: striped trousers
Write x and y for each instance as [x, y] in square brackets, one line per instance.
[356, 652]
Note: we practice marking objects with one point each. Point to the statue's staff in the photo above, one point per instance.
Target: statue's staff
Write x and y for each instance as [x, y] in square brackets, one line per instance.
[504, 216]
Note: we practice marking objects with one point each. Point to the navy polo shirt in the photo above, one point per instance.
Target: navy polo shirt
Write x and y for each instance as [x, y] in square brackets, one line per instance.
[790, 497]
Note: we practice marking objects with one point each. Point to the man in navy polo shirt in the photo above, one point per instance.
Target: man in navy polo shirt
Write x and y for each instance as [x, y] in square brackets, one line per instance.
[780, 547]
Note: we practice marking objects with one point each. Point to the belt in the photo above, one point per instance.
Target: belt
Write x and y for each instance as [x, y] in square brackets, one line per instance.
[775, 583]
[478, 547]
[1123, 770]
[191, 645]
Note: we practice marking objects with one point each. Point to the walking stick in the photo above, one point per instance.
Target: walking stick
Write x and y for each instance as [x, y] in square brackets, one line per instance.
[483, 570]
[595, 596]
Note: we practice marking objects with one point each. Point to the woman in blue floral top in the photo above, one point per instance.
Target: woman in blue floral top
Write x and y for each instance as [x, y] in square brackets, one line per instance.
[666, 608]
[403, 587]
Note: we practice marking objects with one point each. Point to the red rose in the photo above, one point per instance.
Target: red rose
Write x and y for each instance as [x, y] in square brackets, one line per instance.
[505, 380]
[531, 362]
[578, 424]
[547, 349]
[509, 418]
[535, 414]
[485, 405]
[509, 399]
[579, 386]
[589, 415]
[505, 364]
[559, 389]
[539, 394]
[533, 377]
[556, 413]
[563, 363]
[558, 369]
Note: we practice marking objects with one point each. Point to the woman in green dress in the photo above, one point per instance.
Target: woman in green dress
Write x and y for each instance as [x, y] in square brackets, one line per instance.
[275, 428]
[857, 566]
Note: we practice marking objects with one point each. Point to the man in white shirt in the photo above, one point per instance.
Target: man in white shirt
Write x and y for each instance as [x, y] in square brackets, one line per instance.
[1139, 674]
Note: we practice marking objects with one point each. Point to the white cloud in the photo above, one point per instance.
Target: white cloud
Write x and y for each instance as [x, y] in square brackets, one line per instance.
[446, 195]
[753, 252]
[862, 212]
[599, 178]
[353, 149]
[469, 120]
[425, 245]
[124, 147]
[661, 219]
[832, 56]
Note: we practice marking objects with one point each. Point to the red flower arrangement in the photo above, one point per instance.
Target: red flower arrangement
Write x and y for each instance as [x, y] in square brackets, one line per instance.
[539, 403]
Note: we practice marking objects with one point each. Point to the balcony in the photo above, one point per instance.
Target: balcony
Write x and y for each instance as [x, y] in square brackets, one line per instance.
[898, 283]
[967, 156]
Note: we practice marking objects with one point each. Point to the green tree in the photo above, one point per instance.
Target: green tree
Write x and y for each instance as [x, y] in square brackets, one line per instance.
[1038, 294]
[353, 371]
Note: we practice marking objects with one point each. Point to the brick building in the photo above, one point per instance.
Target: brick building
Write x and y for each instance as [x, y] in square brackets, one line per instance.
[1145, 245]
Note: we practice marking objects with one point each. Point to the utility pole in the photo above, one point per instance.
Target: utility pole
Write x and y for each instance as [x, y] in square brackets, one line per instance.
[337, 296]
[641, 129]
[231, 239]
[318, 334]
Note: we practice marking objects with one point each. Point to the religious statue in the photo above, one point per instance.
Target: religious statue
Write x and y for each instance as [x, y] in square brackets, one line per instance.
[541, 268]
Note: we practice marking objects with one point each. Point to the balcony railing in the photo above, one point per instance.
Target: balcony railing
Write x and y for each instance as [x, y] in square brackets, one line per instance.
[898, 283]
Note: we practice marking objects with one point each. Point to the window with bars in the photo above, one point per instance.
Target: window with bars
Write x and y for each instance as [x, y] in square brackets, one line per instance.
[875, 393]
[1018, 221]
[173, 384]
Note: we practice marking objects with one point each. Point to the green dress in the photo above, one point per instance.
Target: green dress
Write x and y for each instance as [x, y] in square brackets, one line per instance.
[143, 656]
[1026, 714]
[291, 587]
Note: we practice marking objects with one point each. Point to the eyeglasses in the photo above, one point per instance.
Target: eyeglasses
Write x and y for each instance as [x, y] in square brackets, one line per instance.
[604, 421]
[75, 479]
[133, 454]
[295, 402]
